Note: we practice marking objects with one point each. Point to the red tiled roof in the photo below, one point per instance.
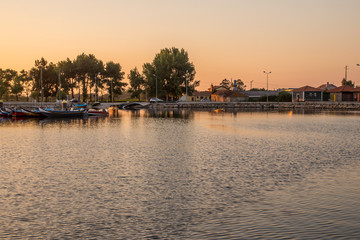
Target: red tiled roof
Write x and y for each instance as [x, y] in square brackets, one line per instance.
[202, 94]
[327, 86]
[344, 88]
[220, 92]
[307, 89]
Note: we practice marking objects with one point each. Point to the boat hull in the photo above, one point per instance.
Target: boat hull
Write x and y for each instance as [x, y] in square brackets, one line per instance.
[63, 114]
[98, 113]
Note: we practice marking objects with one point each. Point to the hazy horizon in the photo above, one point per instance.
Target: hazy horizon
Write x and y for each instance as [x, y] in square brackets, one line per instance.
[301, 42]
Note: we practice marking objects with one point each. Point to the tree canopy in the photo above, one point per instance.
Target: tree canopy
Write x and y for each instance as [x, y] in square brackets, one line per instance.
[344, 82]
[137, 83]
[170, 73]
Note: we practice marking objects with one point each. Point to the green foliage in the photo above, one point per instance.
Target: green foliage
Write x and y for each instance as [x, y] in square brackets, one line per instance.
[258, 89]
[225, 83]
[113, 77]
[137, 83]
[4, 83]
[240, 85]
[16, 86]
[86, 67]
[170, 69]
[284, 97]
[68, 74]
[344, 82]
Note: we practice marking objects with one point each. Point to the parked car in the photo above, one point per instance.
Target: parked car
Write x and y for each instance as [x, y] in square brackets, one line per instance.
[155, 100]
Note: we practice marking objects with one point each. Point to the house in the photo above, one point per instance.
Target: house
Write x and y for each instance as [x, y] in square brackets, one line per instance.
[345, 94]
[228, 96]
[213, 88]
[307, 93]
[326, 88]
[201, 96]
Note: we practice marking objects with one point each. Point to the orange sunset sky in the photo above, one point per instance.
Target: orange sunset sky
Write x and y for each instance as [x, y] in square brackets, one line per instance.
[303, 42]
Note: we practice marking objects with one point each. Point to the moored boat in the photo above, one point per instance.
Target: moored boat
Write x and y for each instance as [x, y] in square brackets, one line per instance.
[35, 113]
[97, 112]
[15, 113]
[63, 114]
[5, 113]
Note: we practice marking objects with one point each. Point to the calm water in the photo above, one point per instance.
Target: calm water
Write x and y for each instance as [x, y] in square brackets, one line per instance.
[182, 175]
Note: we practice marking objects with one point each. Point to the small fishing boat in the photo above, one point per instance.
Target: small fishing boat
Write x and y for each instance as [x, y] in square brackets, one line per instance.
[16, 113]
[63, 114]
[82, 105]
[35, 113]
[97, 112]
[5, 113]
[219, 110]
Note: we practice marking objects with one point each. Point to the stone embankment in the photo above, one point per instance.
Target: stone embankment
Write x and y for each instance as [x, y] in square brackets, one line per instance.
[328, 106]
[331, 106]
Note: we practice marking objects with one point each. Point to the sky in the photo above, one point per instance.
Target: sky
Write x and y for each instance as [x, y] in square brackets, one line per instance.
[302, 42]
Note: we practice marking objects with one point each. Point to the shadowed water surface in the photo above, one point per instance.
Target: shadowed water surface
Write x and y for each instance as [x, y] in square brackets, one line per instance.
[181, 175]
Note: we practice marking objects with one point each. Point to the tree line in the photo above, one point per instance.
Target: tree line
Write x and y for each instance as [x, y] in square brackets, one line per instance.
[85, 77]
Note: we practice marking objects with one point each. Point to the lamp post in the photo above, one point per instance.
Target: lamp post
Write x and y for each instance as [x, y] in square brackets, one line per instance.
[96, 87]
[156, 86]
[267, 85]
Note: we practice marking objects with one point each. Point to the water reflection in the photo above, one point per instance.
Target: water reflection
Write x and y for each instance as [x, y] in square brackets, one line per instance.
[157, 174]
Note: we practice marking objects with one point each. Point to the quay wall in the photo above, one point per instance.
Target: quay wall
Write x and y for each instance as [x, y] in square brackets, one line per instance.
[331, 106]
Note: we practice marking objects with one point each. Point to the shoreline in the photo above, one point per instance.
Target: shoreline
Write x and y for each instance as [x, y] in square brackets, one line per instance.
[329, 106]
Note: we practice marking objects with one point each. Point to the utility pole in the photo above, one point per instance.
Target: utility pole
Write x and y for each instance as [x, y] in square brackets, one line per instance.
[251, 84]
[186, 79]
[42, 86]
[346, 68]
[156, 90]
[59, 85]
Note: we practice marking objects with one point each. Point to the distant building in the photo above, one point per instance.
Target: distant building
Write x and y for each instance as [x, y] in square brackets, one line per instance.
[307, 93]
[228, 96]
[201, 96]
[213, 88]
[345, 94]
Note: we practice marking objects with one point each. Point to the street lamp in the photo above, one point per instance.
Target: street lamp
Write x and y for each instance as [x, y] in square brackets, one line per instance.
[96, 87]
[267, 85]
[156, 86]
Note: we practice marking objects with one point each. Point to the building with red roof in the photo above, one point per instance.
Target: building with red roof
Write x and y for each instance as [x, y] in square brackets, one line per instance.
[307, 93]
[345, 94]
